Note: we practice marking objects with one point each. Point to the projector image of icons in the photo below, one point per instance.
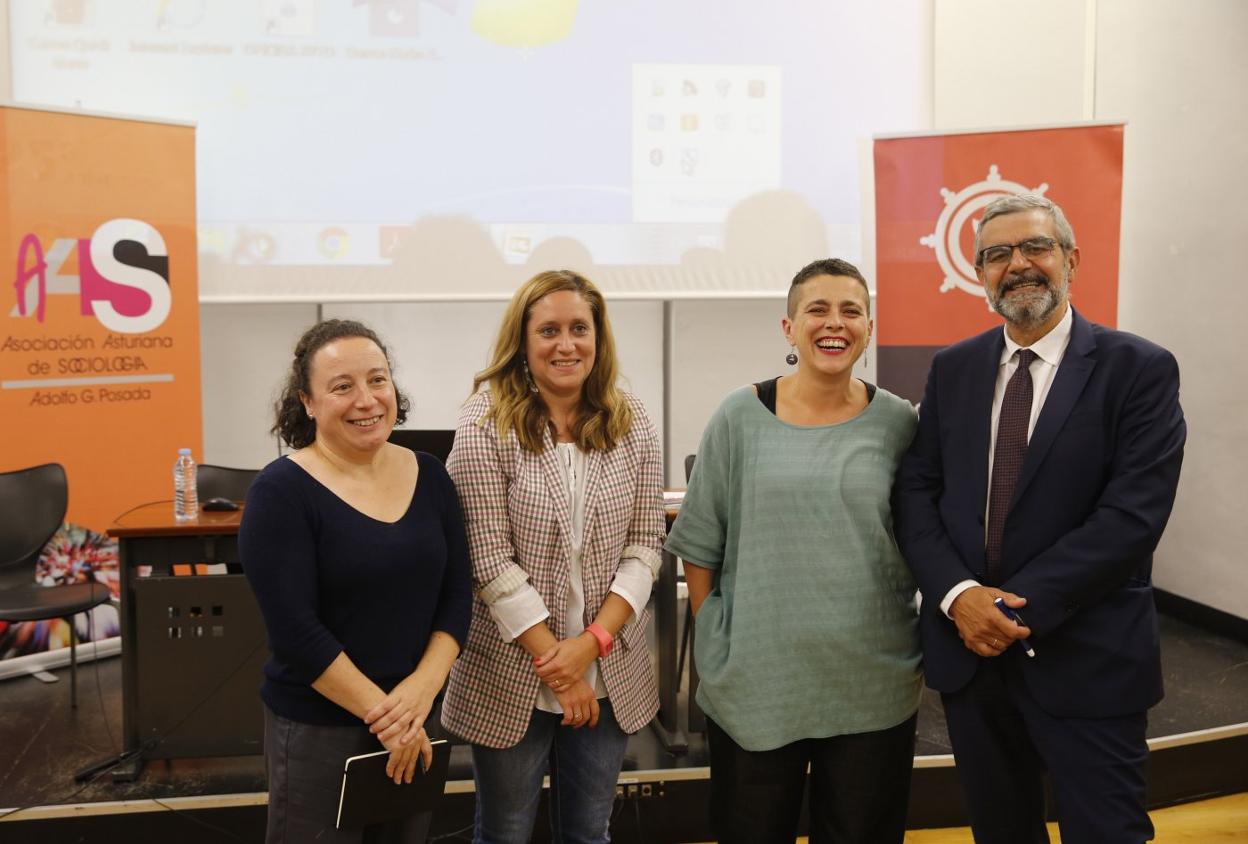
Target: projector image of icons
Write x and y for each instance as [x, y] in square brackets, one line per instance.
[333, 243]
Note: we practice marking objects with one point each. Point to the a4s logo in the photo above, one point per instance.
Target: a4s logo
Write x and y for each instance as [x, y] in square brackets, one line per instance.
[123, 276]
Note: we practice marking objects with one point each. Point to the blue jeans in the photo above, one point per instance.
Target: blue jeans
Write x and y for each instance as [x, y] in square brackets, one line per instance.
[584, 765]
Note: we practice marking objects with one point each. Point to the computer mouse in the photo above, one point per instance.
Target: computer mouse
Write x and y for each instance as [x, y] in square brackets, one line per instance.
[220, 504]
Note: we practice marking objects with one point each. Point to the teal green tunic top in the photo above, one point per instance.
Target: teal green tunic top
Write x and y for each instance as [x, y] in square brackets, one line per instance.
[811, 628]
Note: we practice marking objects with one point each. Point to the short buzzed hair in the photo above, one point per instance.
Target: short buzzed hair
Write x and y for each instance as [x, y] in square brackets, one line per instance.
[824, 266]
[1015, 203]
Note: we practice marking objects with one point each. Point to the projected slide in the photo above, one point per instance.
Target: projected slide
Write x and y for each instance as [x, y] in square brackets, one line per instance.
[358, 133]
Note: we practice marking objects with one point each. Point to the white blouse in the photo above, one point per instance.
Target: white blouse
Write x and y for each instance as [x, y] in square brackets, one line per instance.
[519, 609]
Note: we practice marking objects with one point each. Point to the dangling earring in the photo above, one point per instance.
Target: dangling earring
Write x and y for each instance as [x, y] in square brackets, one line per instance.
[528, 376]
[791, 357]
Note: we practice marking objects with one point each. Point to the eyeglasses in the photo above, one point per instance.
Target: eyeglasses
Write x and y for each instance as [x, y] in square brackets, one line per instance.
[1033, 249]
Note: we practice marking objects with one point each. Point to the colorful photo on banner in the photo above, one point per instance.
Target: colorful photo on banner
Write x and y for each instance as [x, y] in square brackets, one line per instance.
[74, 555]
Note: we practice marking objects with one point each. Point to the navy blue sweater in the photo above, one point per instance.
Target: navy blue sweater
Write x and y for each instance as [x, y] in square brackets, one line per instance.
[330, 579]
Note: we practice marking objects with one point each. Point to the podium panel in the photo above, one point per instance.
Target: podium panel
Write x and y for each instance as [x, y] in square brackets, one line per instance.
[198, 667]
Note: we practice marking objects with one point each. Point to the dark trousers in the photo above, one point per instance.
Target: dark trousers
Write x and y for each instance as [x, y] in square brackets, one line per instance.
[859, 787]
[304, 764]
[1003, 743]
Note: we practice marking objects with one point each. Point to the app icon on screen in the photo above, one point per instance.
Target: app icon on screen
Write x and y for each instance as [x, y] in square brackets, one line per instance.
[179, 14]
[390, 239]
[254, 247]
[333, 243]
[689, 161]
[393, 18]
[66, 13]
[288, 17]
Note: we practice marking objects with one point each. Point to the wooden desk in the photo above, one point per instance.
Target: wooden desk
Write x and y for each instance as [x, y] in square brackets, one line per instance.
[193, 647]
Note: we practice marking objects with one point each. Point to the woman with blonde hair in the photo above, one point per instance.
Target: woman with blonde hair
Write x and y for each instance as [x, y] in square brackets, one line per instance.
[560, 477]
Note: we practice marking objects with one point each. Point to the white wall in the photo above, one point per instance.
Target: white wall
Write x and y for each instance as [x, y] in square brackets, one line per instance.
[1178, 75]
[244, 352]
[1176, 72]
[6, 66]
[1000, 63]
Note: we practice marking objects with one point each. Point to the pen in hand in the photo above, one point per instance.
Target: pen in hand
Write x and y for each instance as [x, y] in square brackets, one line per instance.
[1014, 617]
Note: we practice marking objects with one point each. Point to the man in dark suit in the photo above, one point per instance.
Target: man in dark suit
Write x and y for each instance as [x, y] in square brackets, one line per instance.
[1043, 472]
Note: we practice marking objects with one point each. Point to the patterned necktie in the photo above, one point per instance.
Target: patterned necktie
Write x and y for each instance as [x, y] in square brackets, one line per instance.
[1007, 459]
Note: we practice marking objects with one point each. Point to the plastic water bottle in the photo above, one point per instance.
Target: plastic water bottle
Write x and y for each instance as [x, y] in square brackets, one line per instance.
[185, 493]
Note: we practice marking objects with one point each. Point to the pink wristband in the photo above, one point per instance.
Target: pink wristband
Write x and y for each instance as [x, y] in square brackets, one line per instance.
[605, 640]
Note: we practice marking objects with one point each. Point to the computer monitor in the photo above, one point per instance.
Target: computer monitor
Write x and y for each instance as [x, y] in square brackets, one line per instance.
[437, 443]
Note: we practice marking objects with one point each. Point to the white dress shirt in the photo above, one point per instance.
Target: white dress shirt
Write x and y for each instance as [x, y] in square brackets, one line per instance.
[1049, 349]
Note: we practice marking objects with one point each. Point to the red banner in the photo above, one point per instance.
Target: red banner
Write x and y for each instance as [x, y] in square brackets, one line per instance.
[929, 193]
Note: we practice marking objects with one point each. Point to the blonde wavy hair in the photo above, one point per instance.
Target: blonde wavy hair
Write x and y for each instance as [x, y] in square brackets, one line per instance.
[604, 416]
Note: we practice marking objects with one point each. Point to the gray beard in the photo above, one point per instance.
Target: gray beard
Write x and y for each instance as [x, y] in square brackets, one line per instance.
[1030, 311]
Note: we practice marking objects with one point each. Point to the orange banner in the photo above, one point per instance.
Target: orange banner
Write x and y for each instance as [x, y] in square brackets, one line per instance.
[99, 352]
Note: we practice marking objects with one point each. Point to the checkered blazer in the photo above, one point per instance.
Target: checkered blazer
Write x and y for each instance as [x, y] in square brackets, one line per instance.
[520, 524]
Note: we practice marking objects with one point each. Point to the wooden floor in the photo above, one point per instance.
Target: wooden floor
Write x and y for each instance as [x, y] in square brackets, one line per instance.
[1217, 821]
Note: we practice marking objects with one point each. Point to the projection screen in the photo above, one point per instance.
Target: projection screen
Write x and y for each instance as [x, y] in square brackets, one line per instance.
[361, 149]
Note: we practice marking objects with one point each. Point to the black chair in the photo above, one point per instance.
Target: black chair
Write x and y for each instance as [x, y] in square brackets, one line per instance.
[688, 629]
[32, 507]
[223, 482]
[437, 443]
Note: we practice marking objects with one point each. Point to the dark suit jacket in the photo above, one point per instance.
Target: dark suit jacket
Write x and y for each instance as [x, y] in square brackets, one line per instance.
[1092, 499]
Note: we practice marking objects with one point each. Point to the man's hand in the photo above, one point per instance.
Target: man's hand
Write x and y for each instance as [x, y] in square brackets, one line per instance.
[983, 627]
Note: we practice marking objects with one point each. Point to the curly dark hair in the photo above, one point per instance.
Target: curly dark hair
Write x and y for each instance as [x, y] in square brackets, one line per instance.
[292, 423]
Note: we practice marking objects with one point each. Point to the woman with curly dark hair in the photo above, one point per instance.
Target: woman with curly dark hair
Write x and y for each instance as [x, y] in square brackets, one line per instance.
[356, 551]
